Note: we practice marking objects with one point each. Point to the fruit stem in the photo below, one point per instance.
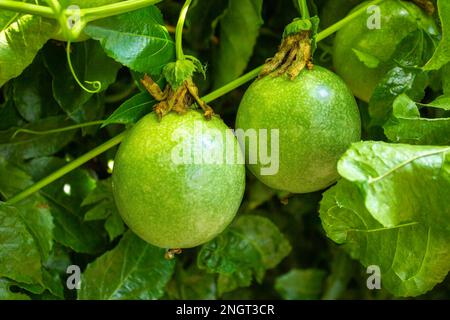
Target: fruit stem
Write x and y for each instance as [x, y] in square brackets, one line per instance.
[207, 99]
[67, 168]
[179, 30]
[340, 24]
[303, 6]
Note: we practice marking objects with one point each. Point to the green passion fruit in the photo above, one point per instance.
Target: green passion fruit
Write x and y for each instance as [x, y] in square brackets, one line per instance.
[397, 20]
[171, 183]
[316, 118]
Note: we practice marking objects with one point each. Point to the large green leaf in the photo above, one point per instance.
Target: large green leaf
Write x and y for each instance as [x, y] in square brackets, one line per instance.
[20, 42]
[404, 76]
[132, 270]
[401, 183]
[27, 146]
[301, 284]
[35, 211]
[138, 39]
[202, 19]
[19, 255]
[413, 257]
[90, 63]
[12, 179]
[8, 112]
[191, 283]
[64, 197]
[446, 79]
[33, 96]
[442, 54]
[239, 29]
[102, 207]
[247, 249]
[407, 126]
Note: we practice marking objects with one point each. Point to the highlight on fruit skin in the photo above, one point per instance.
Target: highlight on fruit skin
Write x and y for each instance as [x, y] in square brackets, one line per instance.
[173, 204]
[361, 55]
[317, 118]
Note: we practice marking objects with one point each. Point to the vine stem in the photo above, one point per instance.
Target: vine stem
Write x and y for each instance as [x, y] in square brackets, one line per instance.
[208, 98]
[89, 14]
[67, 168]
[304, 11]
[27, 8]
[232, 85]
[97, 85]
[68, 128]
[179, 30]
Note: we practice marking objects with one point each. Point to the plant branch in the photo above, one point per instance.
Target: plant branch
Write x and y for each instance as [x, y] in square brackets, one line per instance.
[68, 128]
[66, 169]
[27, 8]
[91, 14]
[208, 98]
[179, 30]
[232, 85]
[304, 11]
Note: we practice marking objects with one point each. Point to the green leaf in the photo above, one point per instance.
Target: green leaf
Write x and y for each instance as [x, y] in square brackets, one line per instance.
[7, 294]
[404, 76]
[300, 284]
[393, 178]
[132, 110]
[442, 54]
[369, 60]
[202, 18]
[193, 284]
[178, 72]
[90, 63]
[342, 268]
[412, 257]
[239, 29]
[20, 42]
[35, 211]
[103, 207]
[114, 225]
[64, 197]
[33, 96]
[446, 79]
[132, 270]
[258, 194]
[397, 81]
[27, 146]
[248, 248]
[406, 125]
[138, 39]
[12, 179]
[442, 102]
[19, 256]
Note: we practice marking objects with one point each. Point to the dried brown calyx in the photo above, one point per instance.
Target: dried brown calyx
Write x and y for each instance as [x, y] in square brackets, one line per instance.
[179, 100]
[426, 5]
[294, 54]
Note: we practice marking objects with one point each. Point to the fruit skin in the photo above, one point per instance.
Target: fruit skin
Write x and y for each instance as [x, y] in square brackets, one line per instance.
[398, 19]
[317, 118]
[175, 205]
